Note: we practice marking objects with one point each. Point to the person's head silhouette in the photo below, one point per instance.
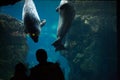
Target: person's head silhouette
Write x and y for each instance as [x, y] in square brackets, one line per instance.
[20, 69]
[41, 56]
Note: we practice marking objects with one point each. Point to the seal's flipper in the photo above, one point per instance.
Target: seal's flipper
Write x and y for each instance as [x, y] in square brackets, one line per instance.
[60, 47]
[57, 9]
[43, 22]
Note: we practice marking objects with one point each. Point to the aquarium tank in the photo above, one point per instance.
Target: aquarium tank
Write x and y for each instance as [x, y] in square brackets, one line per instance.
[91, 41]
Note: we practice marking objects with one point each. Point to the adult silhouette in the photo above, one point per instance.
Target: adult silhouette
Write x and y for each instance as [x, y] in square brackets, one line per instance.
[20, 72]
[45, 70]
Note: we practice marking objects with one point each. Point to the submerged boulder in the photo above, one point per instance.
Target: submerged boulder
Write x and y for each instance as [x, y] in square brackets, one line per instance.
[13, 46]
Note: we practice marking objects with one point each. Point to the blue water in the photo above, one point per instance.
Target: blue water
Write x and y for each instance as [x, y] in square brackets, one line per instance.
[46, 10]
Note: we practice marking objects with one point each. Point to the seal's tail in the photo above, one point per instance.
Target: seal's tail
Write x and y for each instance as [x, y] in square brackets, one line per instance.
[58, 45]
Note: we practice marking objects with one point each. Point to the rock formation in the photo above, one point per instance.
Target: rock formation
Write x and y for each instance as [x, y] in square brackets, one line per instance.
[13, 47]
[92, 41]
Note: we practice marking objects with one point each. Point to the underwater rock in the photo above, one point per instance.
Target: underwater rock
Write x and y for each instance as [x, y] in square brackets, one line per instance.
[13, 46]
[91, 44]
[8, 2]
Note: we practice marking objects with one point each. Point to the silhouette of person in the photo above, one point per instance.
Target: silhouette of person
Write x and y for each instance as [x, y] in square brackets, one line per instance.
[20, 72]
[45, 70]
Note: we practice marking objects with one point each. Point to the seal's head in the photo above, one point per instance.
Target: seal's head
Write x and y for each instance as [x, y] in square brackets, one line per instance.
[34, 34]
[34, 37]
